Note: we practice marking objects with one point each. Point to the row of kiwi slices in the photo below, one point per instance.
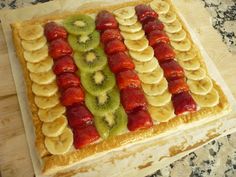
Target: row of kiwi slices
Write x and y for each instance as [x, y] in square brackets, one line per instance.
[102, 97]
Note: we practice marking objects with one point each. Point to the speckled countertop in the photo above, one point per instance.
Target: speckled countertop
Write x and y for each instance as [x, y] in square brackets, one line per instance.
[217, 158]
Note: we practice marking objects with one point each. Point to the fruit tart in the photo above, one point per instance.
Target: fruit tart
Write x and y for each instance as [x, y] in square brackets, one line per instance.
[99, 79]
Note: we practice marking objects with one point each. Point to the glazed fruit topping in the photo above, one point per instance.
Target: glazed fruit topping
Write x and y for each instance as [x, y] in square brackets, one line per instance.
[66, 80]
[172, 70]
[133, 99]
[114, 46]
[153, 25]
[64, 64]
[163, 52]
[59, 48]
[157, 36]
[127, 78]
[177, 86]
[53, 31]
[105, 20]
[83, 136]
[145, 12]
[139, 120]
[120, 61]
[110, 34]
[71, 96]
[183, 102]
[78, 115]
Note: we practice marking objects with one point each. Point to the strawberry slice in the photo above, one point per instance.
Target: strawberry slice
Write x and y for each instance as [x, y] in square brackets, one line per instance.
[172, 70]
[153, 25]
[127, 78]
[64, 64]
[133, 99]
[163, 52]
[120, 61]
[59, 48]
[71, 96]
[53, 31]
[139, 120]
[110, 34]
[114, 46]
[177, 86]
[78, 115]
[157, 36]
[83, 136]
[183, 102]
[145, 12]
[105, 20]
[67, 80]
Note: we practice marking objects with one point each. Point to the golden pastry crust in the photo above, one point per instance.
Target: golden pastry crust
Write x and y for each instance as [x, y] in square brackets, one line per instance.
[53, 163]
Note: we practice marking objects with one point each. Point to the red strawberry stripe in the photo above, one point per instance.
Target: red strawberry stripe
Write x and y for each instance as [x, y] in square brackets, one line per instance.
[174, 73]
[72, 95]
[120, 63]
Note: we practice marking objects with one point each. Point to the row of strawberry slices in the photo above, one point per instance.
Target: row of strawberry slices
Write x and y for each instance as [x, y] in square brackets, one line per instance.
[174, 73]
[132, 96]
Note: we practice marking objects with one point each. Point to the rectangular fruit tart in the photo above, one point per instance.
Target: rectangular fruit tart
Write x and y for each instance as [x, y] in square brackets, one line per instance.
[103, 78]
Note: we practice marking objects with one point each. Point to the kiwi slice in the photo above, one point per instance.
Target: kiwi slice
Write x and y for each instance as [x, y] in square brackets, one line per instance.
[98, 82]
[91, 61]
[84, 43]
[112, 123]
[79, 24]
[103, 104]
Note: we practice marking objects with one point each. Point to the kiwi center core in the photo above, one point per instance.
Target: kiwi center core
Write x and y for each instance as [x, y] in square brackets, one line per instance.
[83, 38]
[98, 77]
[79, 23]
[90, 57]
[102, 99]
[110, 119]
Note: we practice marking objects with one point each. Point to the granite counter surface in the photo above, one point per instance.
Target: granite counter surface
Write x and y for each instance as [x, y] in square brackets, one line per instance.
[218, 158]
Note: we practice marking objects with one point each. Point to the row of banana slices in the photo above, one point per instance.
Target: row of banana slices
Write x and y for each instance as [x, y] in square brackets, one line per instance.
[149, 71]
[200, 84]
[58, 138]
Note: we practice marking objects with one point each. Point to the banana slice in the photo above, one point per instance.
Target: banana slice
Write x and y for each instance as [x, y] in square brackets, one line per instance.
[209, 100]
[37, 55]
[51, 114]
[193, 64]
[173, 27]
[124, 13]
[169, 17]
[188, 55]
[31, 32]
[136, 45]
[128, 21]
[195, 74]
[153, 77]
[40, 67]
[159, 100]
[34, 45]
[160, 7]
[44, 90]
[133, 36]
[131, 29]
[155, 89]
[183, 46]
[46, 102]
[144, 56]
[55, 128]
[43, 78]
[61, 144]
[146, 67]
[200, 87]
[179, 36]
[163, 113]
